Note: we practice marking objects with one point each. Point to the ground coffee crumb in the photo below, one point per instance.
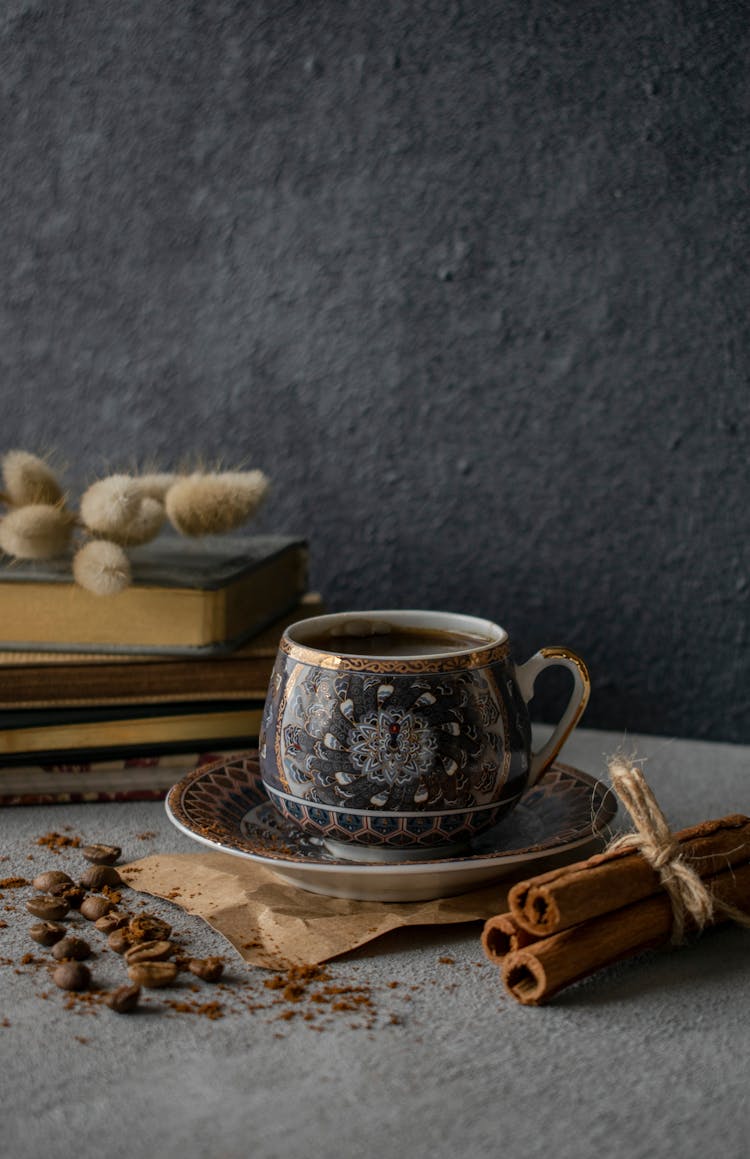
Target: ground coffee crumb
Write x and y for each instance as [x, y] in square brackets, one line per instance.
[31, 960]
[211, 1010]
[57, 841]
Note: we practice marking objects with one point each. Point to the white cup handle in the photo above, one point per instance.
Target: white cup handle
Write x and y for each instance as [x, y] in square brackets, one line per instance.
[526, 675]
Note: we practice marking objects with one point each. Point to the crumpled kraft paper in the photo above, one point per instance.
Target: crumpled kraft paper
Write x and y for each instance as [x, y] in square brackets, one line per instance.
[276, 925]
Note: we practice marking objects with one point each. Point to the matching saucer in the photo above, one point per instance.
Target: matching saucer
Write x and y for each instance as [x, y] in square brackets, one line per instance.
[224, 805]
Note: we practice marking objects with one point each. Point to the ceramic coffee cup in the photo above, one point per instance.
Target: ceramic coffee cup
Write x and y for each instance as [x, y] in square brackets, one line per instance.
[404, 733]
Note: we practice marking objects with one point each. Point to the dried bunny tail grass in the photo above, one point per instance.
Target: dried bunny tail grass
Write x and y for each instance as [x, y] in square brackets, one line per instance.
[110, 504]
[209, 504]
[102, 568]
[28, 480]
[155, 485]
[36, 531]
[144, 526]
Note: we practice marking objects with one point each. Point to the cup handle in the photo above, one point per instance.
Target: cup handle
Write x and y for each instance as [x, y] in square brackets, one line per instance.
[526, 675]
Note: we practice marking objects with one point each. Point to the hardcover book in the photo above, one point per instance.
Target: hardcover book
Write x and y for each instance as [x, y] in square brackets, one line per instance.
[55, 731]
[69, 679]
[191, 597]
[83, 778]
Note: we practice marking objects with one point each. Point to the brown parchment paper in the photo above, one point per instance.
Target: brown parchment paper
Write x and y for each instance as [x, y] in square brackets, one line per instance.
[276, 925]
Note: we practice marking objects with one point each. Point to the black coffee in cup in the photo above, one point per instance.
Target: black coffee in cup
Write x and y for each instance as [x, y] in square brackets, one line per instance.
[384, 640]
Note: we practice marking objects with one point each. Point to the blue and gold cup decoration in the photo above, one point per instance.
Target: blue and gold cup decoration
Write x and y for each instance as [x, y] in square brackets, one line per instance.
[393, 735]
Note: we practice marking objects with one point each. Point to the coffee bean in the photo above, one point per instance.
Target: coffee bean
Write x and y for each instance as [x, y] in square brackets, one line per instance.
[123, 1000]
[94, 908]
[49, 908]
[71, 947]
[147, 928]
[47, 933]
[98, 875]
[119, 941]
[73, 894]
[149, 952]
[111, 921]
[101, 854]
[152, 975]
[209, 969]
[72, 976]
[45, 881]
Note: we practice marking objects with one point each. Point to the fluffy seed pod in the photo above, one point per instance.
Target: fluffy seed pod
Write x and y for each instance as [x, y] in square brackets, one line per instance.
[209, 504]
[155, 486]
[36, 531]
[28, 480]
[110, 504]
[144, 526]
[102, 568]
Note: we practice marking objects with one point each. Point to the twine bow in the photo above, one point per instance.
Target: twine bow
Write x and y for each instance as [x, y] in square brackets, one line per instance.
[654, 840]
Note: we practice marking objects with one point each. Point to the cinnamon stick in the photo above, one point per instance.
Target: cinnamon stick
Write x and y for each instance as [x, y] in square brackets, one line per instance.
[502, 935]
[533, 975]
[572, 894]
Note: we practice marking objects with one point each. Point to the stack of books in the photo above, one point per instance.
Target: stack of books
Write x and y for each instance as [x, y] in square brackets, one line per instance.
[115, 697]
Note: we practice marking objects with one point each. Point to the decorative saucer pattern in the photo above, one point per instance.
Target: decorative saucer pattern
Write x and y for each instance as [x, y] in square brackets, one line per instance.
[224, 805]
[388, 831]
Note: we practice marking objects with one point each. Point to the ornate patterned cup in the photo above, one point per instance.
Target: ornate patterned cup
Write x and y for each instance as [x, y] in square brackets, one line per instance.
[411, 742]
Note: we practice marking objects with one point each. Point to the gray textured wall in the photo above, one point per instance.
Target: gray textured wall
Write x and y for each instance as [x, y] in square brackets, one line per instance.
[469, 280]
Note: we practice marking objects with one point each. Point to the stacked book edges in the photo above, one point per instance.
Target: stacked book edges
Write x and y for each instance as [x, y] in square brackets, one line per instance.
[192, 598]
[120, 721]
[138, 778]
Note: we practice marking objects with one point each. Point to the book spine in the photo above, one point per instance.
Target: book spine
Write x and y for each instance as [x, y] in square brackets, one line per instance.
[35, 704]
[137, 731]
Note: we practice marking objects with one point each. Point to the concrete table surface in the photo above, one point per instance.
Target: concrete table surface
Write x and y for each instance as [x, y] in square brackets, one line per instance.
[648, 1058]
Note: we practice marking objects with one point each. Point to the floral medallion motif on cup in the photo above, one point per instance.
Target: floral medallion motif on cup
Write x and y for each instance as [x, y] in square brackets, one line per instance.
[388, 742]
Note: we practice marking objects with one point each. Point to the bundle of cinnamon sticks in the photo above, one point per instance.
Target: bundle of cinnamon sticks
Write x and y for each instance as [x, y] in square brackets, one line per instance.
[565, 924]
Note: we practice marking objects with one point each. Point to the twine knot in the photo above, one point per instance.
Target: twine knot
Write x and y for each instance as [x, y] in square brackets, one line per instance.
[688, 893]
